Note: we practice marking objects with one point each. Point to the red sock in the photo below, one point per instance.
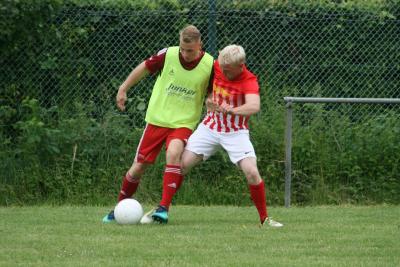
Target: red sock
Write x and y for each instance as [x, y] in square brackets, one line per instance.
[129, 186]
[172, 180]
[257, 193]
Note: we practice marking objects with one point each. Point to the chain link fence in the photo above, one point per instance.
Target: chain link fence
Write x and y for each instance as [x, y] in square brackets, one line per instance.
[66, 61]
[293, 52]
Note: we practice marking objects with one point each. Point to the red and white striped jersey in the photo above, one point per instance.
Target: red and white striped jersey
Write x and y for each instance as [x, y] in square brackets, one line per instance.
[233, 93]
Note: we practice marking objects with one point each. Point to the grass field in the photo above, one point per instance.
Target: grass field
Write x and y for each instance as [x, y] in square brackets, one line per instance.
[202, 236]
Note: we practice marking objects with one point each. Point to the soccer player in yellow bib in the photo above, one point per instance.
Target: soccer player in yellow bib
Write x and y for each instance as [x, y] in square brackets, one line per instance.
[173, 112]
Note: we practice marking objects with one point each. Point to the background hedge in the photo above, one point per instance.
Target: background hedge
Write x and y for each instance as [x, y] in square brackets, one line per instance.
[63, 141]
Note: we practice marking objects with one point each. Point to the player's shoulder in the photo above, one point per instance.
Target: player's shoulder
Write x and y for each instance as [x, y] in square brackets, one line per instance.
[216, 67]
[249, 76]
[248, 73]
[206, 54]
[250, 81]
[162, 51]
[159, 56]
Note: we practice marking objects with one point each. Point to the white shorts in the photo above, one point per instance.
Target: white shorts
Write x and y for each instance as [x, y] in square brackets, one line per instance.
[206, 142]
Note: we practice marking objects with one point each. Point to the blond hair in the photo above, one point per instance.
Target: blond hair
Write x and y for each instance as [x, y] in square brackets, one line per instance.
[190, 34]
[232, 54]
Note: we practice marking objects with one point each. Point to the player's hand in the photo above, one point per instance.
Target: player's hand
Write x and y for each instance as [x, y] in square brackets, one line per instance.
[121, 99]
[226, 108]
[212, 105]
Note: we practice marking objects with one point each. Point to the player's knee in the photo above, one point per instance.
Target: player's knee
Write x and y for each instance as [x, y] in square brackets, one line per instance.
[252, 176]
[253, 180]
[174, 156]
[137, 169]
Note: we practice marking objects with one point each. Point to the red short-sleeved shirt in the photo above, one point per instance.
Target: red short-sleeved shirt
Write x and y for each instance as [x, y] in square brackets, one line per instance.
[233, 93]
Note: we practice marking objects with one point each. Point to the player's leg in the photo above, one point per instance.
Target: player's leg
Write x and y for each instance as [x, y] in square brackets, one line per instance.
[189, 160]
[130, 183]
[200, 145]
[131, 180]
[148, 149]
[256, 186]
[241, 152]
[257, 189]
[172, 178]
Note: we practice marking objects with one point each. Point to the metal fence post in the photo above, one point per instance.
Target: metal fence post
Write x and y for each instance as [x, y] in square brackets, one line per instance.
[212, 27]
[288, 153]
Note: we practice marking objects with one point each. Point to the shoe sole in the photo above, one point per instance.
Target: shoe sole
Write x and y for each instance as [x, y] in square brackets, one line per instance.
[147, 218]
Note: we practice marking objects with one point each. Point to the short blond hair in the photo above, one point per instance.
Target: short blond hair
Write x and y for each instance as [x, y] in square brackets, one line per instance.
[190, 34]
[232, 54]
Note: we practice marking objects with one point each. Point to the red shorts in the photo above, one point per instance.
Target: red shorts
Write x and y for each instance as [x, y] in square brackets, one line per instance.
[153, 139]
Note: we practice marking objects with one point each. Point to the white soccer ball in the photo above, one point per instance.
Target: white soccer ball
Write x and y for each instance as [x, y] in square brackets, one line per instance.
[128, 211]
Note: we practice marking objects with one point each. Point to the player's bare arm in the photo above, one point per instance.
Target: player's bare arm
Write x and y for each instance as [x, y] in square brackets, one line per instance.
[251, 106]
[134, 77]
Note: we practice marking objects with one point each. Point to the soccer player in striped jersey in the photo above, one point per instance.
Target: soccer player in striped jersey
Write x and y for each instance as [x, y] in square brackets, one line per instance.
[235, 96]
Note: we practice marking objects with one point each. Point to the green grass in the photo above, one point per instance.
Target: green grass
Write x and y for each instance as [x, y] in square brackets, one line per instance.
[202, 236]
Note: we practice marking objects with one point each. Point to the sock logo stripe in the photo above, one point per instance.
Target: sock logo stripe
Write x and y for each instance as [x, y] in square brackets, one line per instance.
[172, 185]
[173, 170]
[131, 179]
